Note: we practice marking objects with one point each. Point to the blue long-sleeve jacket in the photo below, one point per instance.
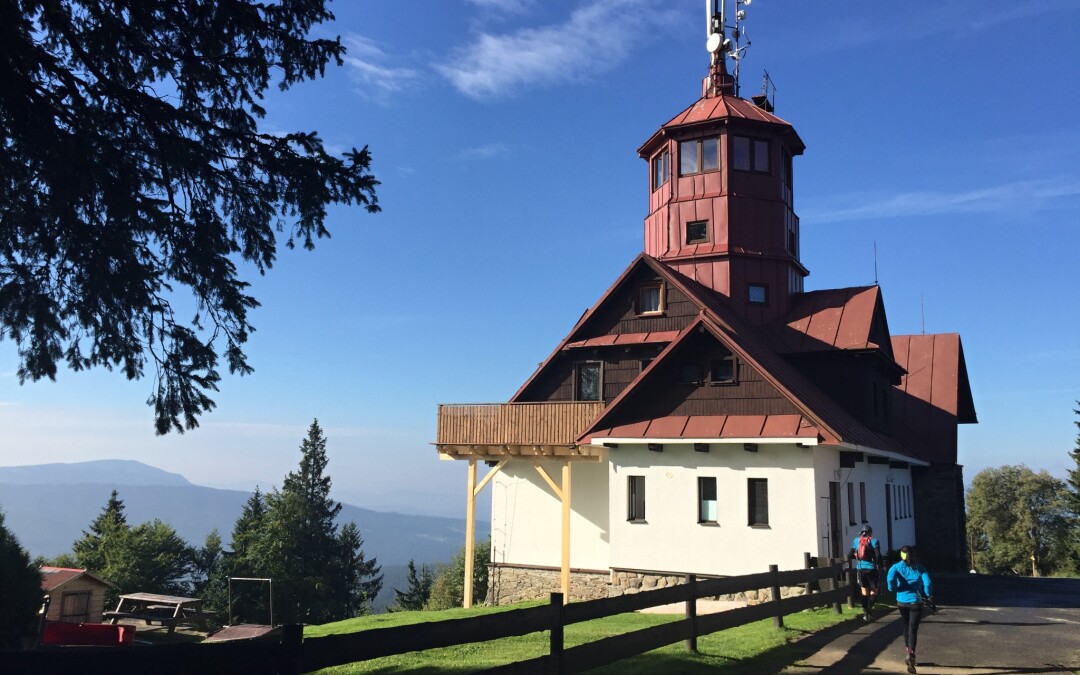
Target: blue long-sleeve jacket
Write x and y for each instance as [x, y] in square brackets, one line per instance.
[909, 582]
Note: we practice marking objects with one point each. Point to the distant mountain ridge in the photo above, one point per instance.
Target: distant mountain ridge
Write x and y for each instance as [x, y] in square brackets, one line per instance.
[48, 506]
[102, 471]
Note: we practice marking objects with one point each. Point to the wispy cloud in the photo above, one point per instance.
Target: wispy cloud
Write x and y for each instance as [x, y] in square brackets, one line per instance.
[485, 151]
[505, 6]
[595, 38]
[1030, 194]
[368, 65]
[8, 404]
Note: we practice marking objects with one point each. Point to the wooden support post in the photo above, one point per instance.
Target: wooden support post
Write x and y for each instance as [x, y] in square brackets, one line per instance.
[778, 617]
[838, 605]
[292, 643]
[809, 586]
[470, 534]
[555, 665]
[691, 613]
[564, 576]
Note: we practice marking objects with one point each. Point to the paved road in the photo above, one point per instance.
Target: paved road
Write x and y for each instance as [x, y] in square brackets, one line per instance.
[986, 625]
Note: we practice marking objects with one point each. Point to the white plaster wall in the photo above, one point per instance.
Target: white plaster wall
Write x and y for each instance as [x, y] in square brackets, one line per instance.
[526, 516]
[672, 540]
[878, 478]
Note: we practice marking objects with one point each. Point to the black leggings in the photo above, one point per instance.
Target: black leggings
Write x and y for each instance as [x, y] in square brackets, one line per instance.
[911, 615]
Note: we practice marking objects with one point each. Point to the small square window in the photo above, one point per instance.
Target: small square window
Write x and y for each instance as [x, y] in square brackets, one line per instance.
[588, 381]
[758, 501]
[723, 371]
[758, 294]
[635, 498]
[650, 298]
[706, 500]
[699, 156]
[691, 374]
[750, 154]
[697, 232]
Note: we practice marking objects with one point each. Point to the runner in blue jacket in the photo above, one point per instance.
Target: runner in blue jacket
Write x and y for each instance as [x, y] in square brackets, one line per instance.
[868, 560]
[909, 580]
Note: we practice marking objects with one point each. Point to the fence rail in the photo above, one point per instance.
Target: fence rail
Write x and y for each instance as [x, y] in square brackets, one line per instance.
[295, 654]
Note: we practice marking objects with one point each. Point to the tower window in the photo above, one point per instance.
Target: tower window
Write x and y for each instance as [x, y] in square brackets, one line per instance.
[661, 168]
[650, 298]
[758, 294]
[587, 381]
[699, 156]
[750, 154]
[697, 232]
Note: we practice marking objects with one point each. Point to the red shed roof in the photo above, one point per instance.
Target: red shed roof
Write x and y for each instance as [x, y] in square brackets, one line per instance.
[839, 318]
[54, 577]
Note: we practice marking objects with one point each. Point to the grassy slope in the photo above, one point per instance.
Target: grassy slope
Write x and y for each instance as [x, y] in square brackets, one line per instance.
[754, 648]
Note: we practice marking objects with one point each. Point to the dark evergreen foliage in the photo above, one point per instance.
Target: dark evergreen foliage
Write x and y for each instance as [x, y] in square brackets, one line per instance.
[448, 589]
[134, 180]
[416, 595]
[20, 592]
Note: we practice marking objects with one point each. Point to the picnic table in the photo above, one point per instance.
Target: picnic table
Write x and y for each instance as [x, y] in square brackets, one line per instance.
[168, 610]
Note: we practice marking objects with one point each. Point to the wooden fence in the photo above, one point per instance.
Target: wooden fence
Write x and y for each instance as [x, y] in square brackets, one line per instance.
[294, 654]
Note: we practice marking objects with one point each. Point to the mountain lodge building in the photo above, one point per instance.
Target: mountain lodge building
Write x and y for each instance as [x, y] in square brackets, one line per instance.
[707, 415]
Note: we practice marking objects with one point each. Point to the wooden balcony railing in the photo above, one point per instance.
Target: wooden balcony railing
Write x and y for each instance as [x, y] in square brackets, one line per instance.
[514, 423]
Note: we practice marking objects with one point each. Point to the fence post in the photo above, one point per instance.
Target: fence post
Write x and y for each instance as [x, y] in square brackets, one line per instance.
[555, 663]
[778, 618]
[853, 582]
[838, 606]
[292, 644]
[809, 585]
[691, 613]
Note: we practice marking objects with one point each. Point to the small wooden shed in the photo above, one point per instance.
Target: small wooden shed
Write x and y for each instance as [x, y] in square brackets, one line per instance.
[76, 596]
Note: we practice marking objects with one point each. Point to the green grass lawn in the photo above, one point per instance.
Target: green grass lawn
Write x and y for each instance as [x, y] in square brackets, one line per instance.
[753, 648]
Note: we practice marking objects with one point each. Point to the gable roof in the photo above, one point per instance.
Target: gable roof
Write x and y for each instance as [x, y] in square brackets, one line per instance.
[839, 318]
[55, 577]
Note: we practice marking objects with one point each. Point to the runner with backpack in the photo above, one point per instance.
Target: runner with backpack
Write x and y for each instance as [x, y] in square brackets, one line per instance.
[866, 551]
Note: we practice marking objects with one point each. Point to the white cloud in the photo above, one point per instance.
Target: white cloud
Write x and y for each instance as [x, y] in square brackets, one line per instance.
[485, 151]
[595, 38]
[1029, 194]
[505, 6]
[367, 65]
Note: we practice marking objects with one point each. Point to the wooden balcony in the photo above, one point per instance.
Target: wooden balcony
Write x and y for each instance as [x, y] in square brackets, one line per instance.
[495, 430]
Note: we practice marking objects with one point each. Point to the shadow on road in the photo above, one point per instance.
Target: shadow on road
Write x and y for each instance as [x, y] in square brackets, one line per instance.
[999, 670]
[998, 591]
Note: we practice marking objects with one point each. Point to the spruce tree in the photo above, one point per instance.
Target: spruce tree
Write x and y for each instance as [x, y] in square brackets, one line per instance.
[107, 531]
[416, 595]
[20, 591]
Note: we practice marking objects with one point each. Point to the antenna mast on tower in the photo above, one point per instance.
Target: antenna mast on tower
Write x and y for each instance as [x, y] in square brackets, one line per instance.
[722, 47]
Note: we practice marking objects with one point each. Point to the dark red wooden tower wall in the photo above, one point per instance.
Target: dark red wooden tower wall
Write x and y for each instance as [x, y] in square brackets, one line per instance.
[752, 230]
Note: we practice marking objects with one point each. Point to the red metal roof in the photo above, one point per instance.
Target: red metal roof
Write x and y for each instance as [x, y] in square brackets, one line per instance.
[625, 339]
[840, 318]
[714, 426]
[54, 577]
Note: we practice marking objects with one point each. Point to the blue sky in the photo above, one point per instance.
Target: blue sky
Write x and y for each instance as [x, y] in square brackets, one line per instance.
[504, 133]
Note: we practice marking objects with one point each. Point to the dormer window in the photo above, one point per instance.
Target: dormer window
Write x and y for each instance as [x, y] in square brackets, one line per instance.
[699, 156]
[661, 169]
[588, 381]
[750, 154]
[697, 232]
[650, 298]
[723, 371]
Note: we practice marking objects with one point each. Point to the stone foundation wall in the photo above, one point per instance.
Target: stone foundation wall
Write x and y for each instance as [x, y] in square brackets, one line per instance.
[509, 584]
[514, 584]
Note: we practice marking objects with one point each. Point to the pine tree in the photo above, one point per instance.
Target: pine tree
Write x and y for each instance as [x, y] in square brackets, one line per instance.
[209, 575]
[416, 595]
[1074, 474]
[20, 591]
[250, 602]
[107, 531]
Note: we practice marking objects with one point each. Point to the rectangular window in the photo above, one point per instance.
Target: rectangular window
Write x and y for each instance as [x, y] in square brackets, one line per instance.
[706, 500]
[862, 502]
[758, 294]
[699, 156]
[723, 371]
[851, 503]
[691, 374]
[697, 232]
[750, 154]
[757, 501]
[635, 498]
[661, 168]
[588, 381]
[650, 298]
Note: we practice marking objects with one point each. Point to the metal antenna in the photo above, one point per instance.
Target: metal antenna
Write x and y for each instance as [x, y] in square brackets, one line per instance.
[718, 43]
[922, 311]
[875, 263]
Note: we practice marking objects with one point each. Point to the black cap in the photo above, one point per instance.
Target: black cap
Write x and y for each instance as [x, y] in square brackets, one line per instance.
[867, 530]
